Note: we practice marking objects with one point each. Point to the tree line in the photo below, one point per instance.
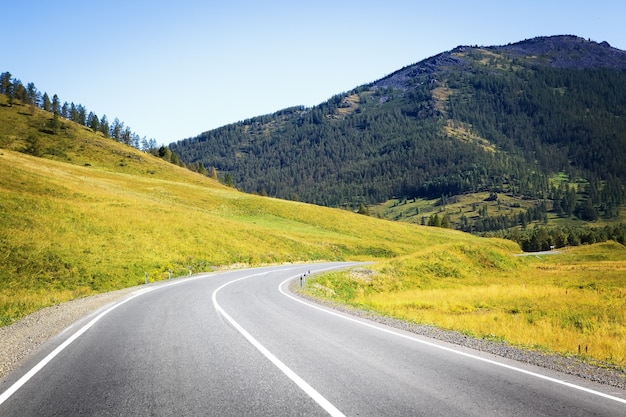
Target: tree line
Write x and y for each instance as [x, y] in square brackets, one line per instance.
[29, 95]
[543, 238]
[539, 236]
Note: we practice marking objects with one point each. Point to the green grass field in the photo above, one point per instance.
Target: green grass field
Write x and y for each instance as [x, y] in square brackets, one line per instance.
[71, 230]
[82, 214]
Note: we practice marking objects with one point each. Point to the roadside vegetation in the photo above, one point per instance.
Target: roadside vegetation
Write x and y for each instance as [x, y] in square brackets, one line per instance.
[573, 302]
[70, 230]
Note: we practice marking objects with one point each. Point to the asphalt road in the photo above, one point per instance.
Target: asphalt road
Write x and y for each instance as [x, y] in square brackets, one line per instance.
[238, 344]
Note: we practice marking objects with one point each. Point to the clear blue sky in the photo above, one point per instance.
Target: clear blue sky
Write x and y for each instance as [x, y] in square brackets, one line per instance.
[172, 70]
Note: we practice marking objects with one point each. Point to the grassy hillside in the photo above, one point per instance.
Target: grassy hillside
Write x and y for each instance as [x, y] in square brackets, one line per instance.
[92, 215]
[573, 303]
[469, 211]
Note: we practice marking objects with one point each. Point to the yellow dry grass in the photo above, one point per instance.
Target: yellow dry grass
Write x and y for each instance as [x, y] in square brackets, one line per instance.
[462, 132]
[106, 214]
[573, 303]
[348, 106]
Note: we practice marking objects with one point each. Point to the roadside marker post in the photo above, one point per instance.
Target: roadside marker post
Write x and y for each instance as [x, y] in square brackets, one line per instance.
[146, 278]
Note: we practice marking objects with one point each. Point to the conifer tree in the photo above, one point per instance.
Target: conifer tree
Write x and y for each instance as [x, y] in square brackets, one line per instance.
[5, 82]
[33, 97]
[445, 222]
[56, 109]
[93, 122]
[82, 114]
[65, 111]
[46, 103]
[104, 126]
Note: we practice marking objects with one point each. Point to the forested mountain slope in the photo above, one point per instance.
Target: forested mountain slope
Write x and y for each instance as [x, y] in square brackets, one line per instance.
[503, 119]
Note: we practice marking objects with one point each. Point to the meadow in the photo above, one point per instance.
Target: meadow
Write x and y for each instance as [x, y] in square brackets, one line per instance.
[573, 302]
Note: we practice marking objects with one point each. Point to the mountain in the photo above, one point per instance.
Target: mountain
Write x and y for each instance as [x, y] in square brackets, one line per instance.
[534, 119]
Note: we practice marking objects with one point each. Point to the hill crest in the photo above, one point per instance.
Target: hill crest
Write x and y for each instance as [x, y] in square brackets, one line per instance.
[569, 51]
[559, 51]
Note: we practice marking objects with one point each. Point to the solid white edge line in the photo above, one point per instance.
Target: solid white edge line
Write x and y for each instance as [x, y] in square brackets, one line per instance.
[301, 383]
[40, 365]
[469, 355]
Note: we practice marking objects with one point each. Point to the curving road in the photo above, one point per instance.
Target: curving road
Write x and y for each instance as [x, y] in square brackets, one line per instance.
[238, 344]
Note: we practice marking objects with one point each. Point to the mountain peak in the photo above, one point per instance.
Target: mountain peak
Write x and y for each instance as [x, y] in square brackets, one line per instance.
[559, 51]
[567, 51]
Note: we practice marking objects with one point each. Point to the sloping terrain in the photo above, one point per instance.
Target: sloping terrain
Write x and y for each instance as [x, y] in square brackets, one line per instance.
[89, 214]
[504, 119]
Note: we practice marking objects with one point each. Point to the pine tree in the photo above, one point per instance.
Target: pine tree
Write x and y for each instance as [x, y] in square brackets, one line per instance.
[115, 131]
[46, 103]
[73, 113]
[445, 222]
[65, 111]
[228, 180]
[202, 170]
[434, 221]
[10, 93]
[104, 126]
[82, 114]
[33, 97]
[93, 122]
[56, 109]
[5, 82]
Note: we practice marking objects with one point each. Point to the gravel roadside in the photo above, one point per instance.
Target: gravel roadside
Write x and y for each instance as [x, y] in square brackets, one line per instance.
[24, 337]
[601, 373]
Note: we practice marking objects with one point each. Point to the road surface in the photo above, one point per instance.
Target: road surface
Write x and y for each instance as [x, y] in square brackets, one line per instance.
[239, 344]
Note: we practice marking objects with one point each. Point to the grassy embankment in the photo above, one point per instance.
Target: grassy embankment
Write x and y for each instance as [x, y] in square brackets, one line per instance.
[573, 303]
